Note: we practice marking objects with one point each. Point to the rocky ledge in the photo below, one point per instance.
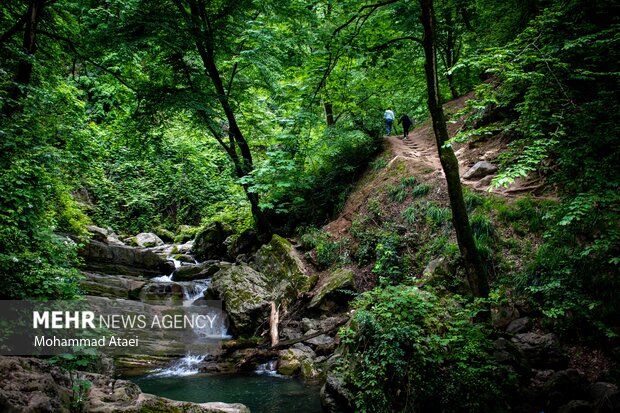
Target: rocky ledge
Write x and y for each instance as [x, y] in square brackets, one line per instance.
[33, 385]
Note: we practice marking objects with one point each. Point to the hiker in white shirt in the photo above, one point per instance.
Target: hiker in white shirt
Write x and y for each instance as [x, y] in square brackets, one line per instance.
[389, 120]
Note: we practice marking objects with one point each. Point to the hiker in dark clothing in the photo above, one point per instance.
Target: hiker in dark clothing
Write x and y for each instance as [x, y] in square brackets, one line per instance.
[407, 123]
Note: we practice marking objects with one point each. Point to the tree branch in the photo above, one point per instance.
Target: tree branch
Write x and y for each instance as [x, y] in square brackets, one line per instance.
[399, 39]
[75, 50]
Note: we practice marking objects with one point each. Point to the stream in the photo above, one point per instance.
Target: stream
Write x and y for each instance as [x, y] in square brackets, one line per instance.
[262, 391]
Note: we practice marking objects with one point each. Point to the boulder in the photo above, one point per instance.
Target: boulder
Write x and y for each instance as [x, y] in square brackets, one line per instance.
[503, 314]
[210, 242]
[244, 243]
[97, 233]
[437, 267]
[520, 325]
[33, 385]
[297, 360]
[112, 286]
[283, 267]
[340, 279]
[148, 239]
[541, 350]
[335, 397]
[480, 170]
[564, 386]
[197, 271]
[120, 259]
[162, 292]
[246, 295]
[508, 354]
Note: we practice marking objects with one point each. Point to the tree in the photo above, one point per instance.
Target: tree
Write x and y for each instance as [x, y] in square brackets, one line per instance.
[475, 271]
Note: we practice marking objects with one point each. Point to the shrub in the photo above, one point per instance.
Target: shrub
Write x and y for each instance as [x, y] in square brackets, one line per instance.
[412, 350]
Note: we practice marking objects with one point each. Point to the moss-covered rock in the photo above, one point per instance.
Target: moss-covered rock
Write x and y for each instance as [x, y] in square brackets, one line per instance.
[340, 279]
[283, 268]
[210, 242]
[246, 297]
[197, 271]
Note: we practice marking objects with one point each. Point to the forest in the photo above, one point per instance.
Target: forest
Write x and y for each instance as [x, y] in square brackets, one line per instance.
[243, 144]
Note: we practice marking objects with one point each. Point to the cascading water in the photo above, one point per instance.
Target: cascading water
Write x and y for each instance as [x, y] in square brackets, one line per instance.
[192, 292]
[268, 368]
[185, 366]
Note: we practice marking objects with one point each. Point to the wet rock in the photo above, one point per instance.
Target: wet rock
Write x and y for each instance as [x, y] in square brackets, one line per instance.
[197, 271]
[32, 385]
[162, 292]
[335, 397]
[148, 239]
[340, 279]
[520, 325]
[165, 235]
[119, 259]
[480, 170]
[184, 258]
[112, 286]
[210, 242]
[541, 350]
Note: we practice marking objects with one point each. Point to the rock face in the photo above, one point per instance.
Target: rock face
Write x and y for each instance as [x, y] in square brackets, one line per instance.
[283, 268]
[278, 276]
[32, 385]
[148, 239]
[335, 398]
[541, 350]
[119, 259]
[197, 271]
[341, 279]
[112, 286]
[480, 170]
[210, 242]
[246, 297]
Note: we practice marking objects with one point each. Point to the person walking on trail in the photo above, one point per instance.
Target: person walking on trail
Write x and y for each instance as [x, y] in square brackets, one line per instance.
[407, 123]
[389, 120]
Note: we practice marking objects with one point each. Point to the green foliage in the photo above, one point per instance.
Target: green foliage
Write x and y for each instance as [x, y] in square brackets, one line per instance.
[411, 350]
[327, 251]
[421, 190]
[409, 214]
[437, 216]
[389, 264]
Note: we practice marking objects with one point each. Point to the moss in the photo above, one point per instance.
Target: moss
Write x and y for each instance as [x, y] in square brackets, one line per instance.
[339, 279]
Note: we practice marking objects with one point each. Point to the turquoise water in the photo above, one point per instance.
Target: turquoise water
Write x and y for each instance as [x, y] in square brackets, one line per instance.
[262, 393]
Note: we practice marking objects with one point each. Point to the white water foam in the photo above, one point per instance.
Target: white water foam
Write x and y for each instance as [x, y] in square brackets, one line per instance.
[185, 366]
[268, 368]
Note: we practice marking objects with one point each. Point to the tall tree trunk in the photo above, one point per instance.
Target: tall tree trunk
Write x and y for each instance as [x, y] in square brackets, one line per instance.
[329, 113]
[476, 274]
[243, 163]
[24, 69]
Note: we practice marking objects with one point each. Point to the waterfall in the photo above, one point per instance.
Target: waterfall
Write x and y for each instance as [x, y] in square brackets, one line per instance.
[168, 278]
[185, 366]
[268, 368]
